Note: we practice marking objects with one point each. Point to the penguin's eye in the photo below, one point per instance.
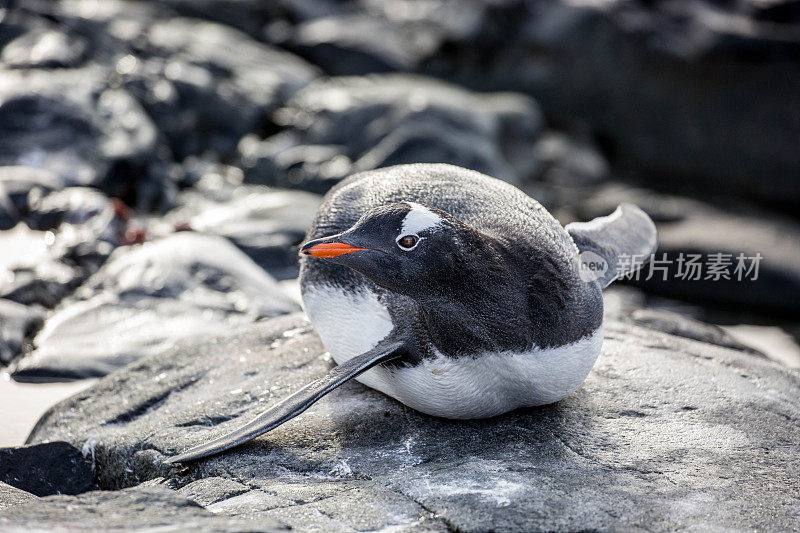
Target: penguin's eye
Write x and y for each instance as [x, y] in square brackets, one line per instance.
[407, 242]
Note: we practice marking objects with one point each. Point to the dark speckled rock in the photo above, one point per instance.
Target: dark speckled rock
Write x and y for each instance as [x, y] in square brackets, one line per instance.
[666, 433]
[45, 469]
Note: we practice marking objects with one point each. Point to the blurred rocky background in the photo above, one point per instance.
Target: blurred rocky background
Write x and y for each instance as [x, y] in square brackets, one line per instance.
[160, 161]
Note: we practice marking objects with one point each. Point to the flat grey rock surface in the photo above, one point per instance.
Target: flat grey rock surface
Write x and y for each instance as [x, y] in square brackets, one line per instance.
[666, 433]
[11, 496]
[134, 509]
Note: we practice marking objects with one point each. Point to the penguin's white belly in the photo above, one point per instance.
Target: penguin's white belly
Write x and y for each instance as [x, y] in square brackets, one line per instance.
[485, 385]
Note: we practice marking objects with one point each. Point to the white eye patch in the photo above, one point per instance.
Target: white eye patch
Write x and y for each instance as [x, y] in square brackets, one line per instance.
[420, 218]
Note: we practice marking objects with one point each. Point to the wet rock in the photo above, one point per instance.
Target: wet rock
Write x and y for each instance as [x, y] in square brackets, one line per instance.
[37, 36]
[67, 75]
[354, 44]
[142, 88]
[10, 496]
[17, 322]
[74, 214]
[148, 508]
[249, 16]
[72, 123]
[74, 230]
[44, 47]
[45, 469]
[145, 299]
[344, 125]
[665, 433]
[207, 84]
[28, 272]
[266, 224]
[678, 90]
[204, 84]
[686, 91]
[694, 227]
[45, 285]
[69, 122]
[16, 186]
[366, 37]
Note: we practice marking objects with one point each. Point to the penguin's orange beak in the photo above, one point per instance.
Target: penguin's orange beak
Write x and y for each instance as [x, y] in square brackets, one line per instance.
[328, 249]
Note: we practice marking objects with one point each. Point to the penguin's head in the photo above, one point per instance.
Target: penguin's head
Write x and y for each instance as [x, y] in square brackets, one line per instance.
[405, 247]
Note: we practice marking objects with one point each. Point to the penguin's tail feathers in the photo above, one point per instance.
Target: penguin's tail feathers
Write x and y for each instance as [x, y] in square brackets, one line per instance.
[615, 245]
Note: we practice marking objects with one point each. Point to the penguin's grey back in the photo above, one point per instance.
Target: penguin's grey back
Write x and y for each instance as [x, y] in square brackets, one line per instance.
[486, 204]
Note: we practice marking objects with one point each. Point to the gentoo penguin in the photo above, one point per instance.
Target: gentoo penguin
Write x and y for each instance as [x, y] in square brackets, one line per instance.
[455, 293]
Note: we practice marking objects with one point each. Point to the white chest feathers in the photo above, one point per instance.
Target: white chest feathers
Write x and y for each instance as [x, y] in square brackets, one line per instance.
[350, 323]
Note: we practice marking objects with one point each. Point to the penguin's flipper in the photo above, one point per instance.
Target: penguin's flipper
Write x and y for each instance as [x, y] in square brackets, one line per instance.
[386, 350]
[623, 240]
